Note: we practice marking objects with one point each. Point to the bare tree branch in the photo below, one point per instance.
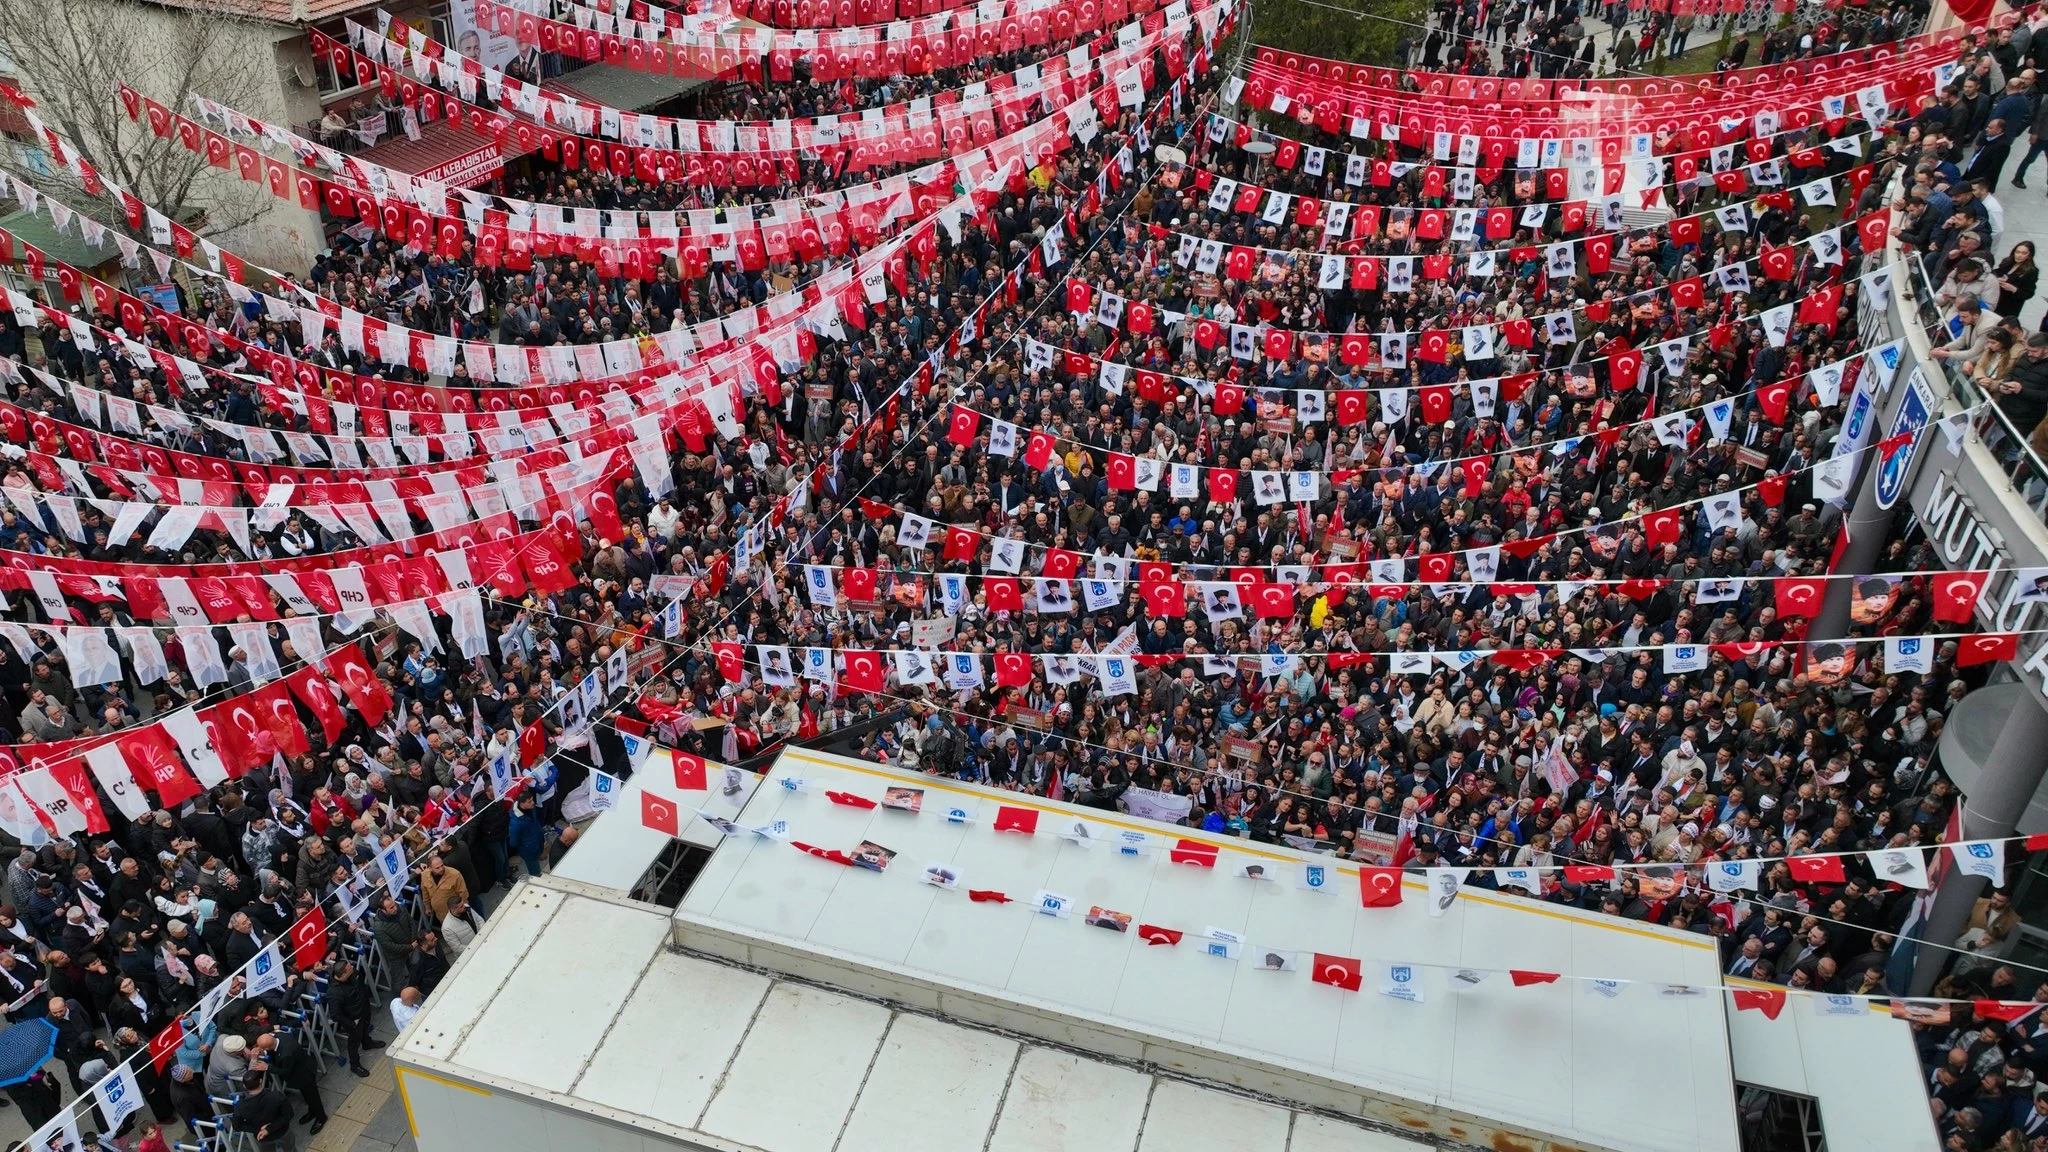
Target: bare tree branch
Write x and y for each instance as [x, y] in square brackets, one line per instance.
[75, 54]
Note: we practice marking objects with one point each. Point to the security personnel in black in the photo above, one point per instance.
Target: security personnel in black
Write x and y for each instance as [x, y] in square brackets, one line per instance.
[348, 997]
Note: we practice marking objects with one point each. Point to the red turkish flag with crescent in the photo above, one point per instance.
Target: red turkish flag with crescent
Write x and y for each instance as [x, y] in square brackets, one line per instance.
[1800, 597]
[359, 681]
[309, 938]
[1337, 971]
[1955, 596]
[863, 672]
[1013, 669]
[312, 689]
[1379, 887]
[281, 719]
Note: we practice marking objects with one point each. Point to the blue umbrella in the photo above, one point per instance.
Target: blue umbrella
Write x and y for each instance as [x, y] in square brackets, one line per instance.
[25, 1047]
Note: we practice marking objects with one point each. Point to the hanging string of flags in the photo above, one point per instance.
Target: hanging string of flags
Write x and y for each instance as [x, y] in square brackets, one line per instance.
[1007, 554]
[1377, 887]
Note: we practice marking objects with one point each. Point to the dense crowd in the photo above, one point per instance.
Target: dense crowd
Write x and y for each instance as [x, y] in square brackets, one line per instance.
[1293, 728]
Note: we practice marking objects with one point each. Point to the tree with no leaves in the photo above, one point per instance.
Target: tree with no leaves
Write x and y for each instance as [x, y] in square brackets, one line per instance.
[73, 55]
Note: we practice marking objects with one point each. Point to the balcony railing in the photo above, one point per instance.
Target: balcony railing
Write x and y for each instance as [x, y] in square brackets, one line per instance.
[2016, 457]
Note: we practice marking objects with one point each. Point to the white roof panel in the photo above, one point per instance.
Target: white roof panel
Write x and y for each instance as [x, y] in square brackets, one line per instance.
[1060, 1102]
[794, 1097]
[1184, 1118]
[641, 1068]
[935, 1087]
[1110, 992]
[696, 1051]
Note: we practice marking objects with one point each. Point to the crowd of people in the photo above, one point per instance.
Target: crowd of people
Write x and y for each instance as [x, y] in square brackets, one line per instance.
[1099, 301]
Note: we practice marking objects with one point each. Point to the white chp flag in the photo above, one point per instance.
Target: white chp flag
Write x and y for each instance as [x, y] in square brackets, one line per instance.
[1130, 87]
[111, 770]
[1733, 875]
[119, 1096]
[42, 790]
[1443, 888]
[604, 791]
[201, 757]
[1903, 866]
[1984, 858]
[266, 971]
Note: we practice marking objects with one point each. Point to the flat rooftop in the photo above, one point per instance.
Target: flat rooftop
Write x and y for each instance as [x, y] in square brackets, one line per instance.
[1644, 1070]
[573, 999]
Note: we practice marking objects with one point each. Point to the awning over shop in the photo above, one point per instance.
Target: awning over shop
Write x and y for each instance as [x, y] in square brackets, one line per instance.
[442, 153]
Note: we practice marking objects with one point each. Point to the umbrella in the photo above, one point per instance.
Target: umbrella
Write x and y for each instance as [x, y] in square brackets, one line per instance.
[25, 1047]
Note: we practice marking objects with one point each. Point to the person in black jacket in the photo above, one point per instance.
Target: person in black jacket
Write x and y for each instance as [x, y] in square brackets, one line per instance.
[348, 997]
[2023, 394]
[75, 1040]
[264, 1113]
[426, 965]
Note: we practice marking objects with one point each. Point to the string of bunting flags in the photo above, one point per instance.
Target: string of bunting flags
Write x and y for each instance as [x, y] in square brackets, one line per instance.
[1377, 887]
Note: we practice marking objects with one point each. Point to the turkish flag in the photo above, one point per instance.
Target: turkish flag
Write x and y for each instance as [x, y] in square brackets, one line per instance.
[1337, 971]
[849, 800]
[1624, 370]
[1010, 819]
[1379, 887]
[1769, 1001]
[1986, 648]
[1873, 230]
[863, 672]
[1435, 348]
[987, 896]
[349, 668]
[1013, 669]
[1777, 263]
[732, 660]
[1587, 873]
[1229, 399]
[1153, 934]
[1772, 399]
[164, 1045]
[1352, 407]
[1240, 264]
[1599, 253]
[1223, 485]
[1800, 597]
[1436, 403]
[1121, 474]
[1279, 342]
[311, 688]
[1164, 597]
[859, 585]
[961, 543]
[1273, 601]
[1434, 567]
[1662, 527]
[1523, 978]
[1685, 230]
[659, 814]
[1038, 450]
[1688, 293]
[1955, 596]
[309, 938]
[692, 774]
[1200, 853]
[2006, 1010]
[1003, 594]
[1080, 297]
[281, 719]
[1816, 869]
[153, 760]
[1061, 564]
[960, 430]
